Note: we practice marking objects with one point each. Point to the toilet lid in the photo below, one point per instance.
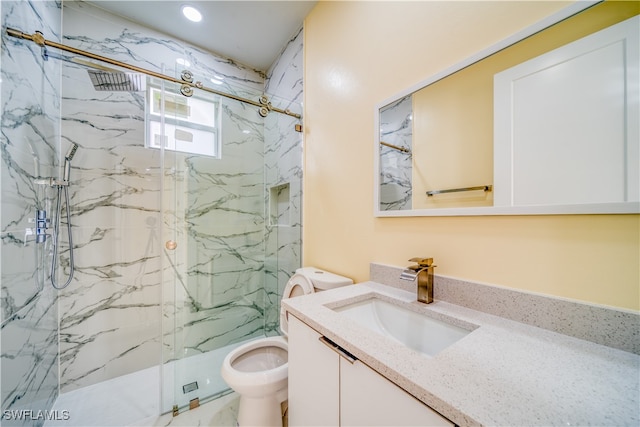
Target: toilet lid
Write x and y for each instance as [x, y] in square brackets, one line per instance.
[297, 285]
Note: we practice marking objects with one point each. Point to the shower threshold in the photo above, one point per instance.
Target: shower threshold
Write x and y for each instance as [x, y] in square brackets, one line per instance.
[129, 399]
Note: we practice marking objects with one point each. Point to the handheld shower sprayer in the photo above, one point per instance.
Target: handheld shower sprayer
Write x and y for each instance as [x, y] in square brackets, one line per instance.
[42, 221]
[67, 162]
[63, 186]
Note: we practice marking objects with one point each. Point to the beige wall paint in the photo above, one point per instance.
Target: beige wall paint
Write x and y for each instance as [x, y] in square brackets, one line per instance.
[359, 53]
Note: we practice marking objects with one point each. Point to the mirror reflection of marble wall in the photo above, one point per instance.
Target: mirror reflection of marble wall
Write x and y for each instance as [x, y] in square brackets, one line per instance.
[396, 128]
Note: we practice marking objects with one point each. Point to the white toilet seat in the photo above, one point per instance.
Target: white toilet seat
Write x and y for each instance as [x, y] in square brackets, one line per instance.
[260, 359]
[297, 285]
[246, 379]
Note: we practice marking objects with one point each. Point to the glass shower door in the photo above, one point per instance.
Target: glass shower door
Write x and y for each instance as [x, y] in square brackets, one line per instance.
[156, 135]
[231, 217]
[165, 106]
[213, 253]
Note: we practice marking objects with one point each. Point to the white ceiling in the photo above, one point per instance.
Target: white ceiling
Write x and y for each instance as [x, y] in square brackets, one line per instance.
[252, 33]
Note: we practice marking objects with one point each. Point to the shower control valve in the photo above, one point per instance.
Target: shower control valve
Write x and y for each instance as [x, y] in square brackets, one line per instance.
[42, 223]
[40, 231]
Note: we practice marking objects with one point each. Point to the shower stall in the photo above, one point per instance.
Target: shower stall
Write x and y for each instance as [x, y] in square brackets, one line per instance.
[184, 214]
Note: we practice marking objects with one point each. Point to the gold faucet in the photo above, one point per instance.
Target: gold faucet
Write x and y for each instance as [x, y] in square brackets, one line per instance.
[424, 275]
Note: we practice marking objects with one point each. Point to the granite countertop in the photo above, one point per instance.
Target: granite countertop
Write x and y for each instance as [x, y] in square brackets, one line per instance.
[502, 373]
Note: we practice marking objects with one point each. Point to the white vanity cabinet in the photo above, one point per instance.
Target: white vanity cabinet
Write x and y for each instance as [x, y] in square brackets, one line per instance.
[328, 389]
[314, 378]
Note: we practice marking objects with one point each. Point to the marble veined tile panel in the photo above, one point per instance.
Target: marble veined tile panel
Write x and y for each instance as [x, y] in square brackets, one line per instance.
[112, 36]
[114, 298]
[234, 280]
[28, 137]
[30, 131]
[89, 358]
[231, 171]
[20, 194]
[113, 270]
[283, 165]
[109, 35]
[24, 273]
[215, 328]
[283, 160]
[119, 198]
[286, 74]
[29, 368]
[28, 144]
[195, 292]
[105, 135]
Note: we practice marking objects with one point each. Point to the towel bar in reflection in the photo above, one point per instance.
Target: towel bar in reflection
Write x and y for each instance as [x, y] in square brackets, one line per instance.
[456, 190]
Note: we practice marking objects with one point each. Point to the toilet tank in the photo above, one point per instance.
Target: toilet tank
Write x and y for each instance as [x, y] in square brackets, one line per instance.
[323, 280]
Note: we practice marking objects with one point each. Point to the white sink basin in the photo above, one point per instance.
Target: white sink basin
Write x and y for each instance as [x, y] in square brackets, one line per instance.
[419, 332]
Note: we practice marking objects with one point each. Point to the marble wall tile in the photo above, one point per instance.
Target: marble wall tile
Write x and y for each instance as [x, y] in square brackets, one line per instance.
[283, 167]
[110, 314]
[30, 134]
[123, 40]
[29, 359]
[129, 200]
[284, 83]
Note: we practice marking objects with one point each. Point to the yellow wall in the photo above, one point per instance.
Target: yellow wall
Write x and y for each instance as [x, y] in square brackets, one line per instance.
[360, 53]
[453, 140]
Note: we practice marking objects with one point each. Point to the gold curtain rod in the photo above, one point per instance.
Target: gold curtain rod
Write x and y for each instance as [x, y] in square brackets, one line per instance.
[187, 84]
[395, 147]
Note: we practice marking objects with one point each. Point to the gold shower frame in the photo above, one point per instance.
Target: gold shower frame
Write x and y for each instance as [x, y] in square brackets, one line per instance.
[186, 84]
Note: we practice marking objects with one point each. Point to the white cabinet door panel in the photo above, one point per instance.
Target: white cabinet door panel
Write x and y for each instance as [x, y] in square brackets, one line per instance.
[369, 399]
[566, 123]
[314, 378]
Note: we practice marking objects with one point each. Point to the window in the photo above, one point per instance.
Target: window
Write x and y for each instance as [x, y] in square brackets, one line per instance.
[191, 125]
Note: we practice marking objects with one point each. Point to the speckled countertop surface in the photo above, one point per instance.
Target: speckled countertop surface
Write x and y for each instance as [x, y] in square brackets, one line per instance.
[503, 373]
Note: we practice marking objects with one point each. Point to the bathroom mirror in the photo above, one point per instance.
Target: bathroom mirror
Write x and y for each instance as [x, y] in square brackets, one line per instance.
[544, 122]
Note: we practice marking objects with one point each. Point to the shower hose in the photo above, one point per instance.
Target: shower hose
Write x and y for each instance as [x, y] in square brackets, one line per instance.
[56, 228]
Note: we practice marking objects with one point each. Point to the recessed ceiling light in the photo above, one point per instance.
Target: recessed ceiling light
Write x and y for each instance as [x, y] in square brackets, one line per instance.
[191, 13]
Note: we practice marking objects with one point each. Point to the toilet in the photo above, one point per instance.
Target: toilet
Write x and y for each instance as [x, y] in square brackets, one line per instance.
[258, 370]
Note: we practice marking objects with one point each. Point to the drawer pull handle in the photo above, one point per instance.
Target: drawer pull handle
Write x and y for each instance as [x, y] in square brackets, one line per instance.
[341, 351]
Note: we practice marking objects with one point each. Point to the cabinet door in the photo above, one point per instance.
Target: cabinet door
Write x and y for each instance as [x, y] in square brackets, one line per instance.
[313, 378]
[566, 123]
[369, 399]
